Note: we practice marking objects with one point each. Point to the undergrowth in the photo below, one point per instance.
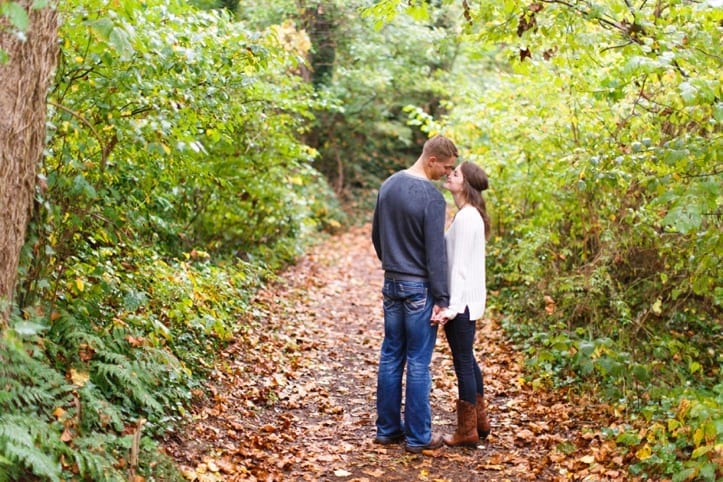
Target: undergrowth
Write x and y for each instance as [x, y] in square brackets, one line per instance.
[663, 380]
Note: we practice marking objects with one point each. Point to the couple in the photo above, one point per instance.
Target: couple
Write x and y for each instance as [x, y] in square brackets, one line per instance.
[430, 281]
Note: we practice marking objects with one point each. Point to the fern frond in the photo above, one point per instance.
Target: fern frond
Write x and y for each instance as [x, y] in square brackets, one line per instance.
[22, 441]
[130, 381]
[97, 411]
[28, 382]
[96, 456]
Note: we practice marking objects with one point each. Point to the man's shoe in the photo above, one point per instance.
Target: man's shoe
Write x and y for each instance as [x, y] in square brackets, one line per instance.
[434, 443]
[389, 440]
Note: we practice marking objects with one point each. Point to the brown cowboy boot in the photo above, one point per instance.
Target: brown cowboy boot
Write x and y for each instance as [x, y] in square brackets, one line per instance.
[466, 433]
[483, 423]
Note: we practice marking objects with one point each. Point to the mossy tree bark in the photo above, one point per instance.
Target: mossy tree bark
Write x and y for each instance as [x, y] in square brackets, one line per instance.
[24, 82]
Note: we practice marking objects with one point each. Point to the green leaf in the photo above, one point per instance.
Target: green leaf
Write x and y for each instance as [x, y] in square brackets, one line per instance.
[685, 217]
[641, 372]
[28, 328]
[708, 471]
[419, 12]
[685, 474]
[119, 39]
[16, 14]
[628, 438]
[587, 348]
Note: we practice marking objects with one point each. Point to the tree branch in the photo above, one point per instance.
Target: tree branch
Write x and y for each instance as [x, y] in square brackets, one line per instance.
[105, 147]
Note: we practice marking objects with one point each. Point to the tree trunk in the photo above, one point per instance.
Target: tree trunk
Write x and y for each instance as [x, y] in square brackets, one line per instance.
[24, 82]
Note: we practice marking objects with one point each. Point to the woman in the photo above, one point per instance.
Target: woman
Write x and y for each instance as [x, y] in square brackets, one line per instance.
[465, 239]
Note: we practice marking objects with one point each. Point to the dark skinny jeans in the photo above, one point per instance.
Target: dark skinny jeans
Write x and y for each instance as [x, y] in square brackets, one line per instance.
[460, 333]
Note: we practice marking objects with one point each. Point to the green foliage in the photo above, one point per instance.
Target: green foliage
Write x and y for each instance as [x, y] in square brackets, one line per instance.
[599, 126]
[188, 158]
[360, 128]
[385, 71]
[61, 420]
[175, 181]
[19, 437]
[196, 149]
[28, 444]
[683, 423]
[16, 14]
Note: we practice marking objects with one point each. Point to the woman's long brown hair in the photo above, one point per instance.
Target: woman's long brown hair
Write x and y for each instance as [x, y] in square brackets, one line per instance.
[475, 181]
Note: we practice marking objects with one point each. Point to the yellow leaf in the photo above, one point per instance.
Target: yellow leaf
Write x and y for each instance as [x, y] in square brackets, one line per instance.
[711, 432]
[79, 378]
[698, 436]
[702, 450]
[644, 452]
[58, 413]
[79, 284]
[673, 424]
[683, 408]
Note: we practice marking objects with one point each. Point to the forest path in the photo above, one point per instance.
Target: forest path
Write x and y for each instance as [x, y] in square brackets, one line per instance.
[294, 397]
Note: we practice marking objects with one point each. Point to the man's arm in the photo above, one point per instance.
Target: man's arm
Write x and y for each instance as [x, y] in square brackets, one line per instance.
[436, 251]
[376, 236]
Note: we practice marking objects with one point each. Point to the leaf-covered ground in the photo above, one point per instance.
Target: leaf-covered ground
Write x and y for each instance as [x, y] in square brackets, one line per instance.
[294, 397]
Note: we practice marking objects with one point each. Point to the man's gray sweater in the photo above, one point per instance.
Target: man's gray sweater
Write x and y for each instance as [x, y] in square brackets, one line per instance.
[408, 231]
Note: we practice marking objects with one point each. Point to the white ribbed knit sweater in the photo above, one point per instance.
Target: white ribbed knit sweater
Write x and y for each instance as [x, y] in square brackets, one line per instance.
[465, 240]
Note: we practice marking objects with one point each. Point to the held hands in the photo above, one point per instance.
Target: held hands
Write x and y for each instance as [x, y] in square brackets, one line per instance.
[440, 316]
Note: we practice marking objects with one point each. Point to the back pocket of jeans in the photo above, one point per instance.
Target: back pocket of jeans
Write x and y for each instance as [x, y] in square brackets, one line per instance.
[417, 302]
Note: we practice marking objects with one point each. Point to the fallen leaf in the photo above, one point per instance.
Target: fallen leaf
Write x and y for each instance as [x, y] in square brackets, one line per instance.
[79, 378]
[588, 459]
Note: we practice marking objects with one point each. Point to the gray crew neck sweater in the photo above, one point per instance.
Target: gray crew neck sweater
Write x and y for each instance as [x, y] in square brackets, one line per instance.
[408, 231]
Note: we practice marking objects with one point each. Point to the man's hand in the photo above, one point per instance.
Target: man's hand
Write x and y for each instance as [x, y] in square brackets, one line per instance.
[440, 316]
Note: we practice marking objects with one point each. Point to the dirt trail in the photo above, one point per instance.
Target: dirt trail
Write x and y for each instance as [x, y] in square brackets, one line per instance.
[294, 398]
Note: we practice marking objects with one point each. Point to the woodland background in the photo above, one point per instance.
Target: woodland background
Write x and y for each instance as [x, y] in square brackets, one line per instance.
[193, 148]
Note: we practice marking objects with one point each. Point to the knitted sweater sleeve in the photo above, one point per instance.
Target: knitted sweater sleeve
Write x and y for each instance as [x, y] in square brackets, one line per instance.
[436, 254]
[466, 257]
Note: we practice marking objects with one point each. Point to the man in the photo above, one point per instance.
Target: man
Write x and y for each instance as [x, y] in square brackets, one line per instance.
[408, 236]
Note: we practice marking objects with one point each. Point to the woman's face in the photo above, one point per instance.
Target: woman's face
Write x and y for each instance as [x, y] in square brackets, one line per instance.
[455, 181]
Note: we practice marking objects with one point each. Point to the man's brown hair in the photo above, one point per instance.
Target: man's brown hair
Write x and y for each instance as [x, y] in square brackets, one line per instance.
[440, 147]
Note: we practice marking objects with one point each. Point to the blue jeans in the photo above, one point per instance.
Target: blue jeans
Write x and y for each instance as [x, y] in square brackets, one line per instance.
[460, 335]
[409, 339]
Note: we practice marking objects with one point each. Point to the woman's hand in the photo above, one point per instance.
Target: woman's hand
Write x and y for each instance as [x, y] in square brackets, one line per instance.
[442, 316]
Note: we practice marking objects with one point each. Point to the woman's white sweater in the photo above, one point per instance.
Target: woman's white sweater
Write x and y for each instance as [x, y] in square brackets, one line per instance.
[465, 240]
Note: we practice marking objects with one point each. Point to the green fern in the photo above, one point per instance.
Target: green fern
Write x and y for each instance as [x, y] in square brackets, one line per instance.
[98, 413]
[22, 441]
[129, 385]
[138, 380]
[96, 456]
[29, 434]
